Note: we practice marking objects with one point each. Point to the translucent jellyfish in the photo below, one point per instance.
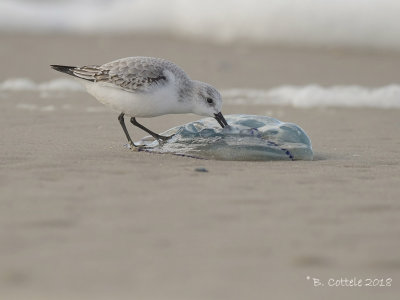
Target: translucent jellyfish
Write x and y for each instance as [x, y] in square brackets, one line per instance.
[248, 137]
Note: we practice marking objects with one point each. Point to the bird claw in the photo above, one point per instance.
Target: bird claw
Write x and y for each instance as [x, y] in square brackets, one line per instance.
[133, 147]
[164, 138]
[160, 138]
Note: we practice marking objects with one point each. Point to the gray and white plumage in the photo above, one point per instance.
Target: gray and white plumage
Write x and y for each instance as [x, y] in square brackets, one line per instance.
[147, 87]
[137, 74]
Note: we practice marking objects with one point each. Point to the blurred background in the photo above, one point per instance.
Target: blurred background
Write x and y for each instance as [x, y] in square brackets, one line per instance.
[341, 23]
[229, 43]
[84, 218]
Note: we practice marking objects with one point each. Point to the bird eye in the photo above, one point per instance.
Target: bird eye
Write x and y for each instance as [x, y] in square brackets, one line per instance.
[209, 100]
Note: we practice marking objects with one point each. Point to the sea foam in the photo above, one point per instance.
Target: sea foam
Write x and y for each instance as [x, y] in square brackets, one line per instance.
[317, 96]
[297, 96]
[26, 84]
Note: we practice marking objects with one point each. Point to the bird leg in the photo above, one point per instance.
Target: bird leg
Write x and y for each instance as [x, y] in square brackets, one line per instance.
[122, 122]
[153, 134]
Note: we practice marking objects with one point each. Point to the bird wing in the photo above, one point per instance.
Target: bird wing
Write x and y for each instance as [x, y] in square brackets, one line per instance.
[136, 74]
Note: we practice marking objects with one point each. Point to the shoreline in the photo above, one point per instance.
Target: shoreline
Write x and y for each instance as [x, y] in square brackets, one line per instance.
[226, 66]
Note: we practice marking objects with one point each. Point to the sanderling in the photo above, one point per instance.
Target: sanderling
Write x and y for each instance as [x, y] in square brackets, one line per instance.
[147, 87]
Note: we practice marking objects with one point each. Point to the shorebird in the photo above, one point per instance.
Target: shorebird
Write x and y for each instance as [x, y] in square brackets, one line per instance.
[147, 87]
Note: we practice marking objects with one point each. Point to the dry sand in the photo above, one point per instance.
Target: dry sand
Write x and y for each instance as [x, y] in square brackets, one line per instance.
[84, 218]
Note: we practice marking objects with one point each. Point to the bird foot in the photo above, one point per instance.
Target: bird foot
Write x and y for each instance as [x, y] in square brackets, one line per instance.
[133, 147]
[163, 138]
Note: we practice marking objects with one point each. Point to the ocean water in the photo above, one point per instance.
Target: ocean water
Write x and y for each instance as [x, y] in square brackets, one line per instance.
[307, 96]
[349, 23]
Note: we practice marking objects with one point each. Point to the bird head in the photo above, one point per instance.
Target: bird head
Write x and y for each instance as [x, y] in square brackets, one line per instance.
[207, 101]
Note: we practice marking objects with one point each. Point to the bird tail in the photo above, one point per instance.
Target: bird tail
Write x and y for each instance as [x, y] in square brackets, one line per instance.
[64, 69]
[90, 73]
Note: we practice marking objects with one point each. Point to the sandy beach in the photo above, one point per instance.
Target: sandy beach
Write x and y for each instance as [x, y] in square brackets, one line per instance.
[82, 217]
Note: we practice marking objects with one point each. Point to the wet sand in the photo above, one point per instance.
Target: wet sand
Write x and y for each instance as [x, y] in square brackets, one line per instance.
[84, 218]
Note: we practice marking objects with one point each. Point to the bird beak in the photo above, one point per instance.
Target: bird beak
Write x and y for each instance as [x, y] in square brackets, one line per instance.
[220, 119]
